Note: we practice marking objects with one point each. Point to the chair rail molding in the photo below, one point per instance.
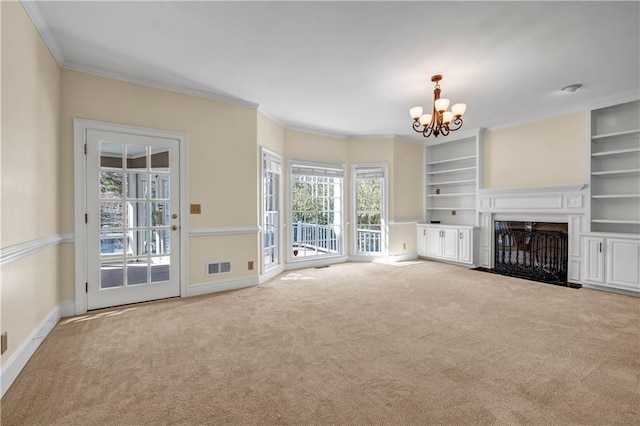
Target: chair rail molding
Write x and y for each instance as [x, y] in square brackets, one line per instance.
[21, 250]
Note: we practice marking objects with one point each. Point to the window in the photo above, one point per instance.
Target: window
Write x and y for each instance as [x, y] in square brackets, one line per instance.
[316, 209]
[271, 175]
[369, 211]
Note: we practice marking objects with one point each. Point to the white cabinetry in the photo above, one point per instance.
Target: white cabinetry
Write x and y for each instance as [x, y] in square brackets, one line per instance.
[594, 260]
[447, 242]
[612, 261]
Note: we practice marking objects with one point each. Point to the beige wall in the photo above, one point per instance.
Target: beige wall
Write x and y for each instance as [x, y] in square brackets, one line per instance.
[548, 152]
[222, 160]
[30, 170]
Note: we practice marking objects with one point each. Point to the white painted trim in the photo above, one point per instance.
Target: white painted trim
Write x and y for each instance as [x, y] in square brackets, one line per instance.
[198, 93]
[271, 273]
[33, 11]
[314, 263]
[405, 222]
[80, 127]
[611, 289]
[533, 189]
[215, 287]
[306, 129]
[19, 358]
[394, 258]
[271, 117]
[384, 240]
[223, 230]
[27, 248]
[281, 226]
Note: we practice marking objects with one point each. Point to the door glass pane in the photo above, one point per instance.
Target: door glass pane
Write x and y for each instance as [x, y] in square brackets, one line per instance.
[110, 185]
[136, 157]
[111, 274]
[160, 269]
[111, 155]
[159, 159]
[137, 214]
[111, 243]
[159, 214]
[160, 241]
[160, 186]
[136, 185]
[137, 271]
[111, 214]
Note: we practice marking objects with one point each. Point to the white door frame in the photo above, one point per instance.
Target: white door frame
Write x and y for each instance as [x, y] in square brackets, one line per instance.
[80, 127]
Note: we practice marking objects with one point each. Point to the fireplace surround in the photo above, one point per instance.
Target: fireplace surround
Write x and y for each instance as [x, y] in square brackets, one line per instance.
[537, 251]
[566, 204]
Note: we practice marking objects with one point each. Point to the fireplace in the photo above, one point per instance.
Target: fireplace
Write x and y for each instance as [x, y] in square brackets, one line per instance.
[532, 250]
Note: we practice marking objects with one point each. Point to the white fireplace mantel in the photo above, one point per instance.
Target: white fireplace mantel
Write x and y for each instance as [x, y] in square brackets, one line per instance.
[554, 203]
[554, 199]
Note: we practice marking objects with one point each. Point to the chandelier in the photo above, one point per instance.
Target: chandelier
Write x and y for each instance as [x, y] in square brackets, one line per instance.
[440, 121]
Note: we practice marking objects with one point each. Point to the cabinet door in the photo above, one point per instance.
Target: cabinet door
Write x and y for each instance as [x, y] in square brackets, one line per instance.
[434, 242]
[623, 263]
[421, 236]
[594, 260]
[464, 245]
[450, 243]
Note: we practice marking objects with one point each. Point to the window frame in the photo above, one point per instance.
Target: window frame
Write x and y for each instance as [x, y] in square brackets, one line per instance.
[291, 163]
[384, 226]
[273, 156]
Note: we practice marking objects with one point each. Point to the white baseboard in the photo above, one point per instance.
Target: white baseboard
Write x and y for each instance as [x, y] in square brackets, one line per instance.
[612, 290]
[215, 287]
[16, 362]
[272, 273]
[384, 259]
[315, 263]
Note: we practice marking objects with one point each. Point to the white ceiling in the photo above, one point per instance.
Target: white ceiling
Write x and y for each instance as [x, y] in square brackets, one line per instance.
[355, 68]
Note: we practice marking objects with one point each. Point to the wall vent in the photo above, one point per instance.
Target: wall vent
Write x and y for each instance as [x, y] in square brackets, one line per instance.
[214, 268]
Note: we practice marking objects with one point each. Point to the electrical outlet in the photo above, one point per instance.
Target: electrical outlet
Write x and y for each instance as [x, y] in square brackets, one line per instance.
[404, 246]
[250, 265]
[3, 343]
[195, 209]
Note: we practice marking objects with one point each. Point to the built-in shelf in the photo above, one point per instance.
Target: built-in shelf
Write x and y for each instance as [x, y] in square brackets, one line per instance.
[609, 136]
[452, 168]
[626, 222]
[614, 153]
[451, 160]
[453, 182]
[462, 169]
[616, 196]
[616, 173]
[452, 195]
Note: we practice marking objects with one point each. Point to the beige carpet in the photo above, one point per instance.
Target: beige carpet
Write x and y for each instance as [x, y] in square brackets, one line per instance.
[413, 343]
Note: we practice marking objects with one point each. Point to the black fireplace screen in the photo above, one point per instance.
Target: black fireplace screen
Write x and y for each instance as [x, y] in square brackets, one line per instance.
[533, 250]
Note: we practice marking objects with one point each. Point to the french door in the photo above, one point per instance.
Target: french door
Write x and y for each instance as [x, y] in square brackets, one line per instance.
[132, 197]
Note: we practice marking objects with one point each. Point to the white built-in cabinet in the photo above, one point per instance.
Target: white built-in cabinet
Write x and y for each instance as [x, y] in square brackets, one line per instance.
[611, 248]
[452, 243]
[612, 261]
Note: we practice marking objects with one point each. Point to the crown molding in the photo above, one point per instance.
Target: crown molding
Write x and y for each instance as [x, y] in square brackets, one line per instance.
[314, 131]
[205, 94]
[271, 117]
[33, 11]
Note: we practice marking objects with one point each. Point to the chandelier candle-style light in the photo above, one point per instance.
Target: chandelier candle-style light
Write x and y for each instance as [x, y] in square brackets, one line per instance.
[440, 121]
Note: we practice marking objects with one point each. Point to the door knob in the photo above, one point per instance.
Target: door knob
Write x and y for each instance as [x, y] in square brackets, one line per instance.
[174, 216]
[174, 227]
